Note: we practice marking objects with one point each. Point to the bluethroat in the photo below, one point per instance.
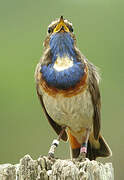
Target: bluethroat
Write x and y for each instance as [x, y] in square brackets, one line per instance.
[67, 85]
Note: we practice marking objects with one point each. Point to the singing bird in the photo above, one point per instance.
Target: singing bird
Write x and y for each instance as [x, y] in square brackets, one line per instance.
[67, 87]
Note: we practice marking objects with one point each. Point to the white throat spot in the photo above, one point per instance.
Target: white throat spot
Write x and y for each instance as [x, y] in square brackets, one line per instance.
[63, 63]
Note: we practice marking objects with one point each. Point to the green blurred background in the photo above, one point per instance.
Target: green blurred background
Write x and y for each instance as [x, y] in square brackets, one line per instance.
[99, 27]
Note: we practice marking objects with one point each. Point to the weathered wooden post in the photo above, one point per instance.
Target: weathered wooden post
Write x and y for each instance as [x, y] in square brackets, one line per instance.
[57, 169]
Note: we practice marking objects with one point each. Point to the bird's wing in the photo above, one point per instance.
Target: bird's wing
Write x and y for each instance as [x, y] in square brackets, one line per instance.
[96, 100]
[55, 126]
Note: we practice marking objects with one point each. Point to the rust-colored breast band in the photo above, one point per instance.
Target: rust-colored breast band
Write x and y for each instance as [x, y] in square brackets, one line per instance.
[52, 91]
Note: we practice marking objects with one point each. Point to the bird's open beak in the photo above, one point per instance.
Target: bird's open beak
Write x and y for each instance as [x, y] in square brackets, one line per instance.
[61, 26]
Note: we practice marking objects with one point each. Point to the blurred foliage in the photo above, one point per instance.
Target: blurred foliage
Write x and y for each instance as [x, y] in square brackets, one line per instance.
[99, 28]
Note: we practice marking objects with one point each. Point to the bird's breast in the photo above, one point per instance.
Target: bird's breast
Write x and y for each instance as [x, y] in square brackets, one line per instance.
[71, 107]
[63, 75]
[69, 82]
[75, 112]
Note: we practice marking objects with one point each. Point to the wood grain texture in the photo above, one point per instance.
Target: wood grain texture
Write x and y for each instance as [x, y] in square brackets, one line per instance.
[57, 169]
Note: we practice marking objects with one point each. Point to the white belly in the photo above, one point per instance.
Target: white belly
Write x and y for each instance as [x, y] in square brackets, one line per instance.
[74, 112]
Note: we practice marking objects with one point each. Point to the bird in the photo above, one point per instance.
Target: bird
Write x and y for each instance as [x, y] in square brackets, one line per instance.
[67, 85]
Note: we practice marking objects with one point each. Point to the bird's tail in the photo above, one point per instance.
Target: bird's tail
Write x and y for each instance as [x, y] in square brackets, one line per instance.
[96, 148]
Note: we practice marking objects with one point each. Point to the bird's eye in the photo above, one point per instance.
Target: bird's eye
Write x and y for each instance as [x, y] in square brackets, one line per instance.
[49, 30]
[71, 29]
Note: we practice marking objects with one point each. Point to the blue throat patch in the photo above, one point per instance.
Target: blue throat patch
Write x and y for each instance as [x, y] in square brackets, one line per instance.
[61, 45]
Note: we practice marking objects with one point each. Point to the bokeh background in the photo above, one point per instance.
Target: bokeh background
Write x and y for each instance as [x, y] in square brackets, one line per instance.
[99, 28]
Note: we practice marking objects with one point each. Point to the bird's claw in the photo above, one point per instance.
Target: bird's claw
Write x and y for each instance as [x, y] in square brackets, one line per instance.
[81, 157]
[50, 156]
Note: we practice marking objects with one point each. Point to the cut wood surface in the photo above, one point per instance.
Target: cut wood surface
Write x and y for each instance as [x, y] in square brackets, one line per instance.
[56, 169]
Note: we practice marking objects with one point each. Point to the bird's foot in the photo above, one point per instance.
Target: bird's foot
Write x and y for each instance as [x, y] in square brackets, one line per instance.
[81, 157]
[50, 156]
[83, 152]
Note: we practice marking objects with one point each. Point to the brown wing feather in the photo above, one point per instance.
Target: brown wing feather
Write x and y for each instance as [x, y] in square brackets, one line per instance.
[95, 93]
[55, 126]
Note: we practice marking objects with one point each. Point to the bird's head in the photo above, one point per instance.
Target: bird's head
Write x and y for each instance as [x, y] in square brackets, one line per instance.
[61, 42]
[58, 27]
[62, 67]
